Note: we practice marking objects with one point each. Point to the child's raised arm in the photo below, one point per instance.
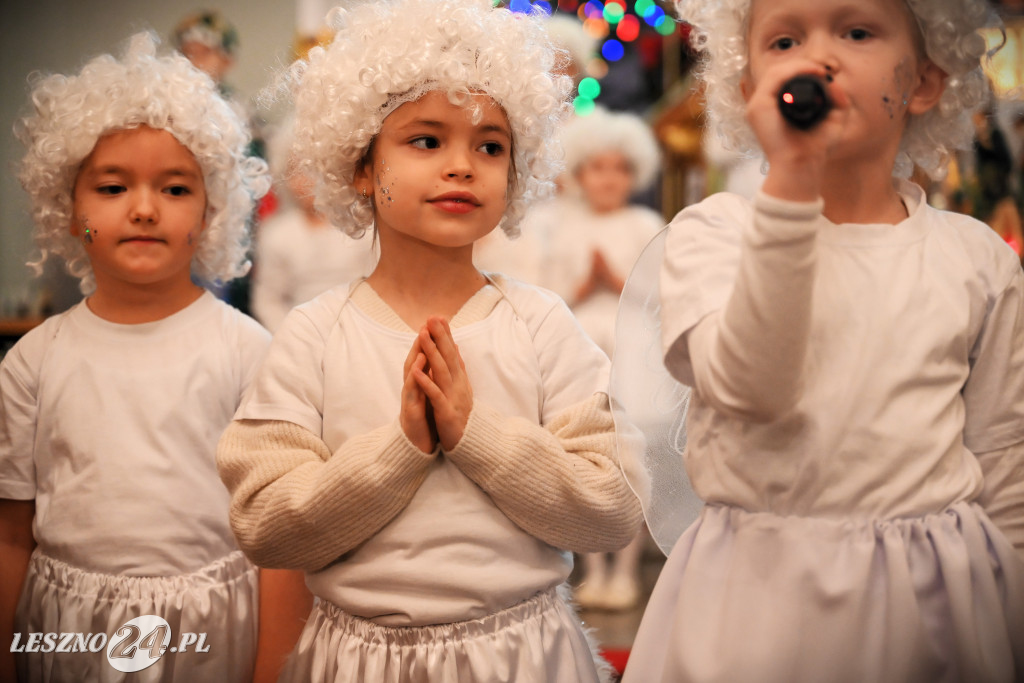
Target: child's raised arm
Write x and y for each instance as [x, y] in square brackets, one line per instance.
[743, 355]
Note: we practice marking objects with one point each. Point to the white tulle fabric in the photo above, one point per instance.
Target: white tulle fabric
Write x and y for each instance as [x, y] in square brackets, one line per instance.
[539, 641]
[648, 400]
[785, 599]
[219, 600]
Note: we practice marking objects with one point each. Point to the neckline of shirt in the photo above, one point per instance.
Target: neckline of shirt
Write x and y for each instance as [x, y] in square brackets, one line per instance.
[82, 315]
[911, 229]
[476, 309]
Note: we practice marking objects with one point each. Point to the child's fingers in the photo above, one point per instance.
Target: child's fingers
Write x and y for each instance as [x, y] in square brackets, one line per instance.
[412, 395]
[414, 415]
[413, 350]
[429, 389]
[439, 368]
[441, 333]
[462, 364]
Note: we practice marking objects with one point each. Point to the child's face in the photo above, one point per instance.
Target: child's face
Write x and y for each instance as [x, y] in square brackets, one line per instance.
[869, 48]
[213, 61]
[437, 177]
[139, 204]
[606, 179]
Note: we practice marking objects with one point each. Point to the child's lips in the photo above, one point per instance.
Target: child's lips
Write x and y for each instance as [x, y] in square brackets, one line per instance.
[455, 202]
[142, 239]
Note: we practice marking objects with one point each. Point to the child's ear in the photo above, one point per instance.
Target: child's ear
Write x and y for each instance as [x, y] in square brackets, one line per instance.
[930, 86]
[361, 180]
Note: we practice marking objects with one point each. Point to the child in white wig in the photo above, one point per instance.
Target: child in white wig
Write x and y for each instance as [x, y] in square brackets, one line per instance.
[594, 237]
[430, 444]
[112, 508]
[856, 358]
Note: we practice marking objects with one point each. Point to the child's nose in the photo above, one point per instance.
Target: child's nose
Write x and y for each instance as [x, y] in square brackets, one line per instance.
[458, 165]
[143, 208]
[820, 49]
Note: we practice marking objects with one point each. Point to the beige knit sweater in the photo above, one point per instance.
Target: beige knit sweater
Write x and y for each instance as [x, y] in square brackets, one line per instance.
[294, 504]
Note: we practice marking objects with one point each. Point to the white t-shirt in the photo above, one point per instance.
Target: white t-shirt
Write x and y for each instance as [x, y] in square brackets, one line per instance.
[113, 429]
[296, 261]
[914, 365]
[451, 554]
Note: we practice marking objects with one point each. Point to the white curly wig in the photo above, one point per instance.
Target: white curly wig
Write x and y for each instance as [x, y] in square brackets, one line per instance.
[604, 131]
[69, 115]
[950, 31]
[389, 52]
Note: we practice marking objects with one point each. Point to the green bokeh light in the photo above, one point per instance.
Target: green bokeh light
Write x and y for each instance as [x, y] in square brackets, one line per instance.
[589, 88]
[583, 105]
[613, 13]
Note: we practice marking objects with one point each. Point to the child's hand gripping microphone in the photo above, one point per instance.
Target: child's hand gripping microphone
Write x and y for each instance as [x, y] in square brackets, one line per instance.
[804, 101]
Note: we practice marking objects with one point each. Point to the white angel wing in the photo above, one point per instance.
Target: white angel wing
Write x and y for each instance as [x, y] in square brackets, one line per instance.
[649, 406]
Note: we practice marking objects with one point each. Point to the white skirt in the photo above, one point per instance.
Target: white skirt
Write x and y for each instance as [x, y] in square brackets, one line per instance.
[537, 641]
[760, 597]
[220, 600]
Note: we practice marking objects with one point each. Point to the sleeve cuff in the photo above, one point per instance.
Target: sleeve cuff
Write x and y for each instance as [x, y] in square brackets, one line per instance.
[786, 209]
[483, 435]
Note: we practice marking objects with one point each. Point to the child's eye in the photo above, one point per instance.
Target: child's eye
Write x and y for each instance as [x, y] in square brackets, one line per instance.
[425, 142]
[492, 148]
[178, 190]
[783, 44]
[859, 34]
[110, 189]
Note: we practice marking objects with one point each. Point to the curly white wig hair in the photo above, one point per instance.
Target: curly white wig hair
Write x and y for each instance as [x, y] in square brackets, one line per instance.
[951, 38]
[604, 131]
[389, 52]
[71, 113]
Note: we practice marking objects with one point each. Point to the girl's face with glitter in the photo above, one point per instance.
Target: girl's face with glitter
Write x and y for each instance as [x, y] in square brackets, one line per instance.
[436, 176]
[138, 207]
[870, 49]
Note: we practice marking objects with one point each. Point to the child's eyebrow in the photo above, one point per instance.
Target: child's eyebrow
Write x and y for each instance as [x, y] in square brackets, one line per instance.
[182, 172]
[495, 128]
[485, 128]
[121, 170]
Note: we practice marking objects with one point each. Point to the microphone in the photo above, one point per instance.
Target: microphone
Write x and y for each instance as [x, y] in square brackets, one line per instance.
[804, 102]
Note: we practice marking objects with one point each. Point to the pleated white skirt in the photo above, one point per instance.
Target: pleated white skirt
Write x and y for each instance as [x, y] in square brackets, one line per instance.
[761, 597]
[221, 600]
[537, 641]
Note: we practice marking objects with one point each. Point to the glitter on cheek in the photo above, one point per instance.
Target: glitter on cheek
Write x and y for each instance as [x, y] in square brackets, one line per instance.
[89, 232]
[889, 108]
[903, 78]
[385, 190]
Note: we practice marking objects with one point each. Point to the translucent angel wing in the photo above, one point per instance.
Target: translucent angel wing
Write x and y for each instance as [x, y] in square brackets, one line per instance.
[649, 406]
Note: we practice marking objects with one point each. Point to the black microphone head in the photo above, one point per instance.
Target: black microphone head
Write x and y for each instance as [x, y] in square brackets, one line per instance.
[804, 101]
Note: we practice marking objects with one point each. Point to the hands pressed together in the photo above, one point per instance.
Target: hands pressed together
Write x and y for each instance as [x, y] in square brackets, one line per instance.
[436, 394]
[601, 276]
